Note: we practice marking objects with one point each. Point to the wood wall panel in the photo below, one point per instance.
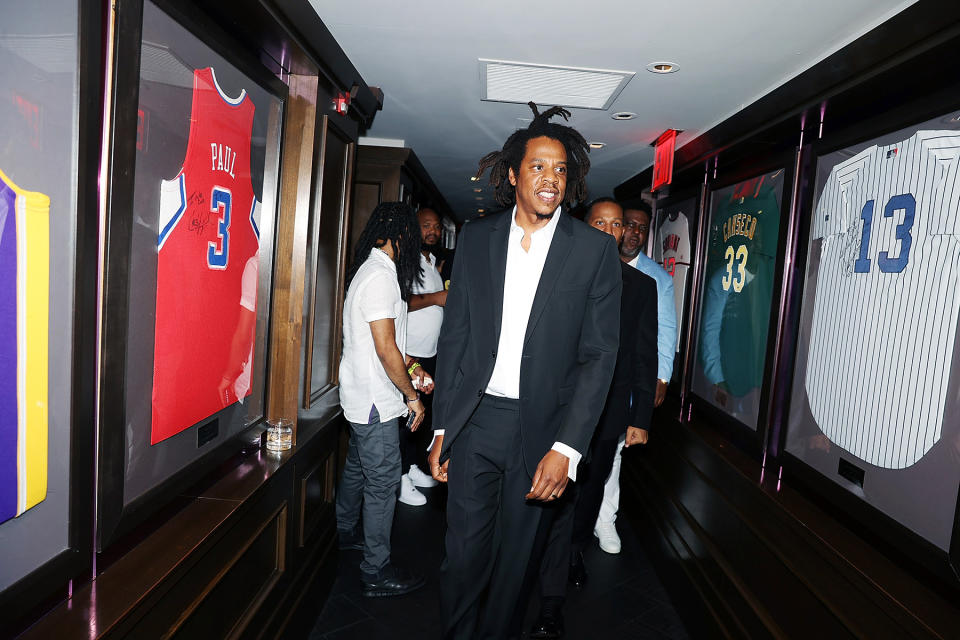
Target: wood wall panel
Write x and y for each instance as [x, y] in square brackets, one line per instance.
[292, 226]
[749, 557]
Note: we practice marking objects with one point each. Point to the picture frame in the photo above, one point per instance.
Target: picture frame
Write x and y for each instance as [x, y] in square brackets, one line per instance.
[159, 44]
[747, 426]
[327, 254]
[913, 513]
[51, 543]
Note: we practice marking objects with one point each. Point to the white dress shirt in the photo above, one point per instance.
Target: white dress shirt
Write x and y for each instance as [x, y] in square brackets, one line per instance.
[423, 325]
[374, 294]
[523, 272]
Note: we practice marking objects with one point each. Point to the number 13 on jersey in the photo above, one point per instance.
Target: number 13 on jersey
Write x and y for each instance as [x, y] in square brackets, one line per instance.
[903, 202]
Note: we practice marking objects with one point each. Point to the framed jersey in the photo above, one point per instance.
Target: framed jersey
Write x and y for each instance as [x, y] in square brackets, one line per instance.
[186, 320]
[736, 295]
[876, 370]
[674, 242]
[49, 116]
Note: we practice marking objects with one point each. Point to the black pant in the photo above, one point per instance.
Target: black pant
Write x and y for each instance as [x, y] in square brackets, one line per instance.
[491, 528]
[413, 445]
[572, 527]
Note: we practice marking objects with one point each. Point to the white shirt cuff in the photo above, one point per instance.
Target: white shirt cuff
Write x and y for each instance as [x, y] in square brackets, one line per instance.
[571, 453]
[559, 447]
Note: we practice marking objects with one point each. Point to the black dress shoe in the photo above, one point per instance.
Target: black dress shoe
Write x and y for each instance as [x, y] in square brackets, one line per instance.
[392, 581]
[549, 624]
[578, 571]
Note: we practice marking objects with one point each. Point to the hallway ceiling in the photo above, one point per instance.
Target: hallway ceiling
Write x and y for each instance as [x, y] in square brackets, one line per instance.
[424, 55]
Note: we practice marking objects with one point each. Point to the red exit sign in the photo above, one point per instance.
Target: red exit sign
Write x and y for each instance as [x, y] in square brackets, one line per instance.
[663, 158]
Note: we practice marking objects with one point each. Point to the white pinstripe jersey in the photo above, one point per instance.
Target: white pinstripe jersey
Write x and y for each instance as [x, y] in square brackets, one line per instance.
[886, 303]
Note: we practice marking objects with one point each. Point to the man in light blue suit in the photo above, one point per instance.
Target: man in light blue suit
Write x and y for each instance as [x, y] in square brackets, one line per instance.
[636, 227]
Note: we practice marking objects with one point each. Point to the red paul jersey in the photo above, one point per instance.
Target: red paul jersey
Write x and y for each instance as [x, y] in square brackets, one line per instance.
[207, 233]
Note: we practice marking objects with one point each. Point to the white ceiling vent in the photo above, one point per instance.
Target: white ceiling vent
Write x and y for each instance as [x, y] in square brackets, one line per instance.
[502, 81]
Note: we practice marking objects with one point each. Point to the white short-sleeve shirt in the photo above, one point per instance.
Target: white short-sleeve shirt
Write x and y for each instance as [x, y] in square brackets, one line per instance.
[248, 300]
[374, 294]
[423, 325]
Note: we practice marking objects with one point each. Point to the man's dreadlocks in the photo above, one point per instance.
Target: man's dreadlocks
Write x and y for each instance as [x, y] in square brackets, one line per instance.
[511, 155]
[396, 222]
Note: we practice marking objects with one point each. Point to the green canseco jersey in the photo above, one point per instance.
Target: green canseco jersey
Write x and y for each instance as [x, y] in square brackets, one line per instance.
[739, 283]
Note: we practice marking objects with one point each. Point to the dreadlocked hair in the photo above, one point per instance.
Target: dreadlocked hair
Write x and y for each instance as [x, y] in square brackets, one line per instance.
[396, 222]
[511, 155]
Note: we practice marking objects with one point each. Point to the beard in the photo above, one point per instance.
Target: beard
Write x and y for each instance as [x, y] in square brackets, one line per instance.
[431, 247]
[544, 216]
[629, 253]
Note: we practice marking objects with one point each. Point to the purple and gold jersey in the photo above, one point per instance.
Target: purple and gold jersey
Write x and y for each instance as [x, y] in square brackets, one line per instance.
[24, 305]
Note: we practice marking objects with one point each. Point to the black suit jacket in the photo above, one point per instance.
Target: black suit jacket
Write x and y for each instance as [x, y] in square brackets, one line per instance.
[571, 341]
[635, 375]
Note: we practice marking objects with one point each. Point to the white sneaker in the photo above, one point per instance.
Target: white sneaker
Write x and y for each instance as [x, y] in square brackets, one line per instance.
[606, 533]
[409, 494]
[421, 479]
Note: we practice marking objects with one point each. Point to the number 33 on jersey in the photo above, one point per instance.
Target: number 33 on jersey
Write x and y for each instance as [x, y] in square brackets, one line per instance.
[208, 231]
[885, 310]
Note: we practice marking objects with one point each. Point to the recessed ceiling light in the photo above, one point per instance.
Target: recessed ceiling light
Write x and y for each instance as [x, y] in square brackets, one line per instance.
[474, 178]
[623, 115]
[597, 145]
[478, 190]
[480, 210]
[479, 198]
[663, 67]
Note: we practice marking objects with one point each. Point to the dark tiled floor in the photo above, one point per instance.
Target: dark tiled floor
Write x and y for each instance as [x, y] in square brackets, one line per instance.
[623, 598]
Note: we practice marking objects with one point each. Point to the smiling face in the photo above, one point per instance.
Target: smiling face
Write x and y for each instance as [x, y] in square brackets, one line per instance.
[607, 217]
[541, 180]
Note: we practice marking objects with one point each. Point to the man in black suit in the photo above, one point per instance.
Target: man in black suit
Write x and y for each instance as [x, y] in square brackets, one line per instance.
[525, 357]
[628, 409]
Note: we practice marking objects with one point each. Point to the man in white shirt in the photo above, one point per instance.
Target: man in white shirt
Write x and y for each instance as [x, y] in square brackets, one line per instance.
[423, 330]
[376, 391]
[526, 353]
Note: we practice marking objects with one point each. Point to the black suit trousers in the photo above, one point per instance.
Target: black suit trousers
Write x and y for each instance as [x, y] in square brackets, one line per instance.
[572, 527]
[491, 528]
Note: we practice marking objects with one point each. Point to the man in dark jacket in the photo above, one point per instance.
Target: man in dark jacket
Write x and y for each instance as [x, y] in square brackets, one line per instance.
[628, 409]
[526, 353]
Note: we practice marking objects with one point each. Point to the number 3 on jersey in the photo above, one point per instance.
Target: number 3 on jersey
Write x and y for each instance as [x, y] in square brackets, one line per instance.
[220, 202]
[738, 278]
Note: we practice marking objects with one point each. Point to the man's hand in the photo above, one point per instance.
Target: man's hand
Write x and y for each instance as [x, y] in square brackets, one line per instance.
[636, 435]
[551, 478]
[416, 406]
[440, 298]
[437, 470]
[661, 393]
[422, 380]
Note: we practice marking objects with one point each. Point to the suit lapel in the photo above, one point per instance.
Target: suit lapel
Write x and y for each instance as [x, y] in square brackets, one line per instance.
[557, 255]
[499, 233]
